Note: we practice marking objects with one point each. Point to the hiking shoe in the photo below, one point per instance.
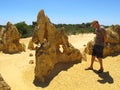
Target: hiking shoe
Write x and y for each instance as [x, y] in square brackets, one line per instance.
[100, 71]
[89, 68]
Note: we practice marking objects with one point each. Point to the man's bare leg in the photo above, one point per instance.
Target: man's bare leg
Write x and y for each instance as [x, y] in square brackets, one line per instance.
[101, 65]
[91, 65]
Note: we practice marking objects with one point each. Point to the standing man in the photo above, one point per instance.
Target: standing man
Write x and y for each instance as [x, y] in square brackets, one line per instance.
[100, 41]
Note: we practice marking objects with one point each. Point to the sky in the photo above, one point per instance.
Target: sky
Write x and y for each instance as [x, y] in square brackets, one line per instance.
[107, 12]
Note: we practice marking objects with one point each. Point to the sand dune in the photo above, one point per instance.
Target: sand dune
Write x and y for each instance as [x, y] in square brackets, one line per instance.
[19, 74]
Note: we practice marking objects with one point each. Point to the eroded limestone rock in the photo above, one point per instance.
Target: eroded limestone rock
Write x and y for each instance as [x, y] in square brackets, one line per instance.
[1, 35]
[53, 47]
[3, 84]
[10, 39]
[113, 35]
[31, 45]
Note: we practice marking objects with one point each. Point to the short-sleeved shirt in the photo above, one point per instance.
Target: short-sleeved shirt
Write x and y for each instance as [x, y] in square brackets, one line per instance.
[99, 39]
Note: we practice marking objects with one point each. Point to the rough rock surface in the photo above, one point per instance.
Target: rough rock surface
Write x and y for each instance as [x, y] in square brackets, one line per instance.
[113, 35]
[10, 37]
[53, 47]
[3, 84]
[1, 34]
[31, 45]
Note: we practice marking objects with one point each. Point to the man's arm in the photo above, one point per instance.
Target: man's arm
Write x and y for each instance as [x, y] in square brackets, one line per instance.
[105, 39]
[104, 33]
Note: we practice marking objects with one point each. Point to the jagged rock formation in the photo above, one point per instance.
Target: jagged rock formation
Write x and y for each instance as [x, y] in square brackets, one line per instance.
[1, 34]
[31, 45]
[3, 84]
[53, 47]
[113, 35]
[10, 37]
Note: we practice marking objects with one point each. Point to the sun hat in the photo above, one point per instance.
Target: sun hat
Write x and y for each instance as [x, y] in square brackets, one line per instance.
[94, 22]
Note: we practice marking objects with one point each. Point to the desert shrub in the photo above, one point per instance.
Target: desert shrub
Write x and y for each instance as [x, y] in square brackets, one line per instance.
[24, 29]
[27, 30]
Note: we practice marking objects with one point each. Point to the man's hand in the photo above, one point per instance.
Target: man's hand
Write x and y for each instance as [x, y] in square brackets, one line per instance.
[107, 44]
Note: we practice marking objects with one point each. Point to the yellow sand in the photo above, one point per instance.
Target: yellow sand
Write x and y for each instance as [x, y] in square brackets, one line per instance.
[19, 74]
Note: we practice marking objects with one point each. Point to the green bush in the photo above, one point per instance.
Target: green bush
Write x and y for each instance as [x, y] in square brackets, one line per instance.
[27, 30]
[75, 28]
[24, 29]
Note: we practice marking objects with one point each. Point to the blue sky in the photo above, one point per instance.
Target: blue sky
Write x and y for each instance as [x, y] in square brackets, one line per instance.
[107, 12]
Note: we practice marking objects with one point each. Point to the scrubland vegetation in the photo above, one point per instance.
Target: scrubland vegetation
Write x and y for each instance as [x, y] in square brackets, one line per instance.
[27, 30]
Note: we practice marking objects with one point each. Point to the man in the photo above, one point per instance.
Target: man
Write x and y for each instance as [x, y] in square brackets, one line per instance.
[100, 41]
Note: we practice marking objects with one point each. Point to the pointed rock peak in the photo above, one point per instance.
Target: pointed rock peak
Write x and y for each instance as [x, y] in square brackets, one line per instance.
[41, 16]
[42, 12]
[9, 24]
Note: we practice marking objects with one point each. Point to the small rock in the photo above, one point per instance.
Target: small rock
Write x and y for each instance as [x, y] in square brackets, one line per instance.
[31, 62]
[31, 54]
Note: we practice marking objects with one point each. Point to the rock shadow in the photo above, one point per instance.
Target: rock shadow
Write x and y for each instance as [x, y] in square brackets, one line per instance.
[105, 77]
[57, 69]
[115, 54]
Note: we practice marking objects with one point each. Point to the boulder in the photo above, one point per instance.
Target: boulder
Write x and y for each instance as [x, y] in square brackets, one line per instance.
[113, 37]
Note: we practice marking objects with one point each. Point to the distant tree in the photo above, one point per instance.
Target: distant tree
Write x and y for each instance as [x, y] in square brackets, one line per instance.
[22, 28]
[83, 25]
[34, 23]
[88, 25]
[27, 30]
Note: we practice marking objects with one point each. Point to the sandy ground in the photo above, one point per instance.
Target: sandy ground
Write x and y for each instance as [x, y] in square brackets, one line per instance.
[19, 74]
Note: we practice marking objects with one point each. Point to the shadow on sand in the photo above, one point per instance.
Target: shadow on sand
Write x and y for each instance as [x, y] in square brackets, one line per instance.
[57, 68]
[113, 55]
[105, 77]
